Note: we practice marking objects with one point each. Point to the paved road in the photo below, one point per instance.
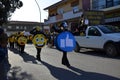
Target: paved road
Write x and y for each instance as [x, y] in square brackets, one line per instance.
[84, 66]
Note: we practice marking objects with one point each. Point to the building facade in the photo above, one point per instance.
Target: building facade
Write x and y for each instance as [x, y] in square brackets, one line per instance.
[103, 4]
[16, 26]
[71, 11]
[111, 10]
[97, 12]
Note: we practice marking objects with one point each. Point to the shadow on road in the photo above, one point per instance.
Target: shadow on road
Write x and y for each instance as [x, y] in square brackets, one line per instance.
[75, 74]
[16, 73]
[26, 57]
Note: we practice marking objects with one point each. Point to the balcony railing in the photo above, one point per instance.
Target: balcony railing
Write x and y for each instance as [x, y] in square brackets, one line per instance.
[62, 17]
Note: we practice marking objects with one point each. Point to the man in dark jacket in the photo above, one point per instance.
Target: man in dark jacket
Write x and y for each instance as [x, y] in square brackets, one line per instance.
[3, 54]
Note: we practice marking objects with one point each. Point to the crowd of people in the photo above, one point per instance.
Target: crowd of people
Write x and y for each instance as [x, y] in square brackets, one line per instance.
[18, 40]
[82, 25]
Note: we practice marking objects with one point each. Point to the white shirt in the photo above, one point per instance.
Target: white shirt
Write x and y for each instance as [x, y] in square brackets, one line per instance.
[86, 21]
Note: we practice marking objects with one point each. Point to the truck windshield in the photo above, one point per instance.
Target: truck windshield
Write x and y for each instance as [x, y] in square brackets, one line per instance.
[109, 29]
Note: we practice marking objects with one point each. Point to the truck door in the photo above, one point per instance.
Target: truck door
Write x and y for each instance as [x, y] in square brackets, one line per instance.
[93, 38]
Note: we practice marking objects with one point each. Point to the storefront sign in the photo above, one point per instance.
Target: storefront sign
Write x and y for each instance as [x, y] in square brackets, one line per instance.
[95, 17]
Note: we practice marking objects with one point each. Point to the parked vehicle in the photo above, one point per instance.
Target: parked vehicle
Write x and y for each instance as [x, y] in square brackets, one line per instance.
[104, 37]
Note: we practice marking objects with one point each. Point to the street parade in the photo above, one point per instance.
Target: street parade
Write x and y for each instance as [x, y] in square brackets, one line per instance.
[59, 39]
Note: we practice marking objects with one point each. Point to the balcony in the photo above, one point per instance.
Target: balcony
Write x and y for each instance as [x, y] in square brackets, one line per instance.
[62, 17]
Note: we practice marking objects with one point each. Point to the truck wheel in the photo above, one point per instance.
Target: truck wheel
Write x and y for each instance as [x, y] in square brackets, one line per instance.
[111, 50]
[77, 48]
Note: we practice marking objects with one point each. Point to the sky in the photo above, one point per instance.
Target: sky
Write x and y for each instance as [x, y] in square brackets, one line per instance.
[30, 11]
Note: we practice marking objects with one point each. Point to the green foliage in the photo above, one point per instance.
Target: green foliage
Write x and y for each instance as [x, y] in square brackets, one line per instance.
[7, 7]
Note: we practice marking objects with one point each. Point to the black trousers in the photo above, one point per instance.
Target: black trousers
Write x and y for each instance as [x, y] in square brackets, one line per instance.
[22, 47]
[11, 44]
[38, 52]
[65, 59]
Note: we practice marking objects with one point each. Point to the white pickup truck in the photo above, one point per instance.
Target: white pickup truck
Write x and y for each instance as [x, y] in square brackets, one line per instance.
[104, 37]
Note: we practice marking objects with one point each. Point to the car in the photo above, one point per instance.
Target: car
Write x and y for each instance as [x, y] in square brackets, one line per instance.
[103, 37]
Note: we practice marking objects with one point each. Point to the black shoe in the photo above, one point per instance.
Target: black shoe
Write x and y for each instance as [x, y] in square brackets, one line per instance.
[66, 64]
[38, 58]
[63, 63]
[22, 52]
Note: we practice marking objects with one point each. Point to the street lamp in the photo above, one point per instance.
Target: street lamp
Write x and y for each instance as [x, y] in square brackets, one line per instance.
[39, 9]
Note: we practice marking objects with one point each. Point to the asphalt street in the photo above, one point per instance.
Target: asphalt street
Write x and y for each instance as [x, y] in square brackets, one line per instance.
[88, 65]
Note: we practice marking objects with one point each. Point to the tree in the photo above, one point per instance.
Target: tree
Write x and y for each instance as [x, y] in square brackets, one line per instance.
[7, 7]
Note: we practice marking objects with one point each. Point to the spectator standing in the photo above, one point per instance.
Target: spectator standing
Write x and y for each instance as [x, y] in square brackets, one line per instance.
[83, 23]
[3, 54]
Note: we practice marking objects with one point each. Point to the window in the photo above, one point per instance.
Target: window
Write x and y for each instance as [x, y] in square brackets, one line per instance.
[25, 28]
[21, 27]
[93, 32]
[75, 3]
[116, 2]
[17, 27]
[75, 9]
[60, 11]
[109, 3]
[34, 27]
[98, 4]
[109, 29]
[9, 27]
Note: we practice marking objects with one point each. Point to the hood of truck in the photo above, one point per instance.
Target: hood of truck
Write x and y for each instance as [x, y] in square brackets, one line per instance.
[114, 35]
